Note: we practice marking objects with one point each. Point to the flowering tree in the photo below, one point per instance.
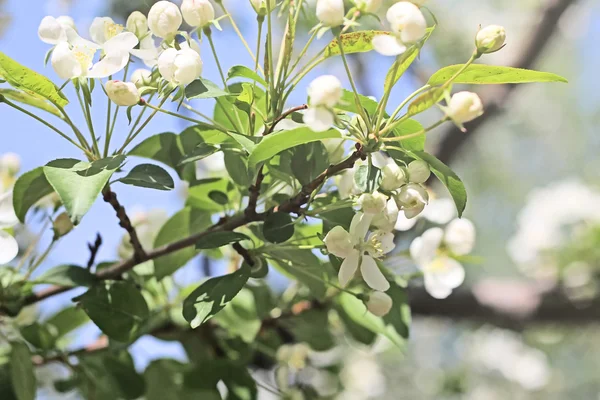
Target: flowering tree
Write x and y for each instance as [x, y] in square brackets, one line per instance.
[314, 191]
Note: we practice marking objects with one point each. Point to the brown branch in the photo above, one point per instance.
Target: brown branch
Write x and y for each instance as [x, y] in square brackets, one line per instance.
[94, 247]
[244, 253]
[111, 198]
[495, 98]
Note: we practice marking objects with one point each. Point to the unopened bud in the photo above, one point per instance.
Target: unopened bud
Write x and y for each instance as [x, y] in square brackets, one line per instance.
[197, 12]
[137, 23]
[392, 177]
[62, 225]
[379, 304]
[418, 171]
[141, 77]
[122, 93]
[260, 6]
[330, 12]
[164, 19]
[464, 107]
[372, 203]
[490, 39]
[368, 6]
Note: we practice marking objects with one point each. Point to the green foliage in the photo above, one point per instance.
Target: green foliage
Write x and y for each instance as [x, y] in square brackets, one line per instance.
[214, 294]
[480, 74]
[30, 188]
[30, 100]
[67, 275]
[278, 227]
[149, 176]
[21, 372]
[354, 42]
[241, 71]
[29, 81]
[213, 240]
[203, 89]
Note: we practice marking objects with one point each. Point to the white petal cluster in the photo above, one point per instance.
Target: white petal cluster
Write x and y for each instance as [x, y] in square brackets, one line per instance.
[408, 26]
[54, 30]
[330, 12]
[324, 93]
[164, 19]
[197, 13]
[180, 67]
[433, 253]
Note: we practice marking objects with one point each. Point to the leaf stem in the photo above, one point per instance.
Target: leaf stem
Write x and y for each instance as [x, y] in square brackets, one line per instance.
[413, 135]
[237, 31]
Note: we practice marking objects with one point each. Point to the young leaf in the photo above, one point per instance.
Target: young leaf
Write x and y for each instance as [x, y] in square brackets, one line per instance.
[67, 320]
[237, 167]
[426, 100]
[279, 141]
[408, 127]
[199, 195]
[452, 182]
[308, 161]
[149, 176]
[22, 375]
[347, 103]
[201, 151]
[481, 74]
[278, 227]
[214, 294]
[117, 308]
[30, 188]
[203, 89]
[27, 99]
[39, 335]
[67, 275]
[241, 71]
[23, 78]
[218, 197]
[404, 61]
[219, 239]
[354, 42]
[79, 183]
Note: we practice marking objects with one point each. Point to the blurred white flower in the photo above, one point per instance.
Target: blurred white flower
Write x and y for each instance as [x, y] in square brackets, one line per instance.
[356, 251]
[362, 377]
[379, 304]
[164, 19]
[386, 220]
[8, 219]
[180, 67]
[368, 6]
[10, 163]
[197, 13]
[294, 355]
[324, 93]
[330, 12]
[439, 211]
[122, 93]
[408, 26]
[433, 251]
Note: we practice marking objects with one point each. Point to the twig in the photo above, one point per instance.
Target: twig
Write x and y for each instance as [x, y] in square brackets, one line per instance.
[244, 253]
[94, 247]
[111, 198]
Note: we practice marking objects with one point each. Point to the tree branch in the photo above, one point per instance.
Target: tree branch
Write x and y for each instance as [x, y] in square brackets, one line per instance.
[496, 97]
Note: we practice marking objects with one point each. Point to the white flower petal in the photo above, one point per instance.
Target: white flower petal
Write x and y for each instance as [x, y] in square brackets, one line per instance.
[64, 62]
[8, 218]
[122, 43]
[360, 226]
[51, 31]
[440, 211]
[339, 242]
[109, 65]
[424, 248]
[9, 248]
[405, 224]
[388, 45]
[445, 271]
[435, 289]
[460, 236]
[372, 275]
[348, 268]
[318, 119]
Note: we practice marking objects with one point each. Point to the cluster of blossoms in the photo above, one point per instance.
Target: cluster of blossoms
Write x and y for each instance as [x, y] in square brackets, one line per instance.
[10, 164]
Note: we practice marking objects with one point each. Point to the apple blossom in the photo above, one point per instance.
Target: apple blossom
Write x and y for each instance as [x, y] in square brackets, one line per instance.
[490, 39]
[460, 236]
[392, 176]
[11, 163]
[368, 6]
[412, 199]
[54, 30]
[418, 171]
[148, 52]
[387, 219]
[330, 12]
[164, 19]
[137, 23]
[408, 26]
[438, 211]
[379, 304]
[360, 253]
[141, 77]
[372, 203]
[464, 107]
[324, 93]
[104, 29]
[9, 248]
[197, 13]
[294, 355]
[180, 67]
[122, 93]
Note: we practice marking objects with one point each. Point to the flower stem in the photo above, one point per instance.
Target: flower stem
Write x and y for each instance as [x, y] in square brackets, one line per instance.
[416, 134]
[237, 30]
[141, 128]
[208, 34]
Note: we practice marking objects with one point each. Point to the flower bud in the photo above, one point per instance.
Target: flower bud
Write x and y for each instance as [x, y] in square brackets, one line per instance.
[338, 242]
[260, 6]
[137, 23]
[412, 198]
[11, 163]
[368, 6]
[122, 93]
[392, 177]
[418, 171]
[197, 12]
[490, 39]
[62, 225]
[379, 304]
[330, 12]
[464, 107]
[180, 67]
[372, 203]
[141, 77]
[325, 91]
[407, 21]
[164, 19]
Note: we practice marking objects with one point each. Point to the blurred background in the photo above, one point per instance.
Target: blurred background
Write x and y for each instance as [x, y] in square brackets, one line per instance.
[527, 322]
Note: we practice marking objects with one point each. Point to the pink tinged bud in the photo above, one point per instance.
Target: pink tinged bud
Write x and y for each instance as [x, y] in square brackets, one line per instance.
[122, 93]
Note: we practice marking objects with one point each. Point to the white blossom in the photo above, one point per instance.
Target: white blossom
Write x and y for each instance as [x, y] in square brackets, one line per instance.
[10, 163]
[418, 171]
[103, 29]
[359, 253]
[197, 13]
[164, 19]
[408, 26]
[368, 6]
[460, 236]
[379, 304]
[387, 219]
[392, 176]
[148, 52]
[412, 199]
[372, 203]
[9, 248]
[141, 77]
[122, 93]
[330, 12]
[54, 30]
[324, 93]
[137, 23]
[464, 107]
[180, 67]
[490, 39]
[294, 355]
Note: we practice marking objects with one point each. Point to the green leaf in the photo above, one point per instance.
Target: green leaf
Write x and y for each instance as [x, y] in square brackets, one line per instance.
[312, 327]
[203, 89]
[277, 142]
[399, 316]
[347, 103]
[409, 127]
[39, 335]
[366, 179]
[29, 81]
[278, 227]
[214, 294]
[237, 167]
[181, 225]
[122, 369]
[355, 42]
[30, 188]
[404, 61]
[240, 317]
[79, 183]
[357, 312]
[21, 371]
[67, 320]
[308, 161]
[149, 176]
[67, 275]
[452, 182]
[218, 197]
[33, 101]
[426, 100]
[201, 151]
[217, 239]
[117, 308]
[241, 71]
[199, 194]
[481, 74]
[303, 266]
